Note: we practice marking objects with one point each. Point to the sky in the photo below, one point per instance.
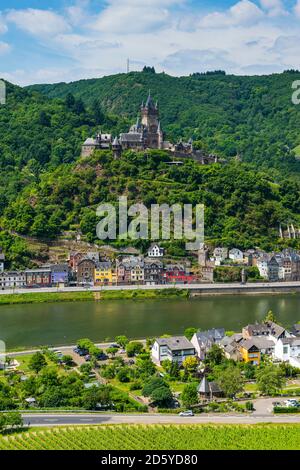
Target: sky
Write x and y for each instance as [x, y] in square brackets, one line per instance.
[49, 41]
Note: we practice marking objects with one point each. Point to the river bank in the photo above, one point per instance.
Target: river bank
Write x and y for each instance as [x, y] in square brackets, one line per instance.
[136, 292]
[92, 295]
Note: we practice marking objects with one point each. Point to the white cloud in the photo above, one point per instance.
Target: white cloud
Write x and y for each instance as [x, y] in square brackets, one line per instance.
[274, 7]
[135, 16]
[242, 13]
[4, 48]
[38, 22]
[198, 60]
[297, 8]
[3, 27]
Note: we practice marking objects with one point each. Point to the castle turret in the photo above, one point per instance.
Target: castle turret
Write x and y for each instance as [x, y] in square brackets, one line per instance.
[150, 122]
[116, 148]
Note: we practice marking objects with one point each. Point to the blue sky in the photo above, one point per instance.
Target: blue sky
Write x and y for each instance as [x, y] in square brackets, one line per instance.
[43, 41]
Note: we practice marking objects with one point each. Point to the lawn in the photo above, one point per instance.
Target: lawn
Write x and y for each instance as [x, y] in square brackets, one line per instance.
[158, 437]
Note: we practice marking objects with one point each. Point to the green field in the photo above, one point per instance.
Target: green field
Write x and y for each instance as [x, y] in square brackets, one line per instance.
[158, 437]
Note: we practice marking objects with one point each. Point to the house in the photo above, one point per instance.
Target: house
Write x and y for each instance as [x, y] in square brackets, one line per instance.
[220, 254]
[288, 350]
[209, 390]
[93, 255]
[105, 274]
[230, 346]
[155, 251]
[12, 279]
[60, 274]
[74, 259]
[153, 272]
[174, 349]
[85, 272]
[236, 255]
[203, 341]
[250, 352]
[99, 142]
[130, 270]
[40, 277]
[206, 265]
[269, 268]
[178, 274]
[267, 329]
[2, 261]
[296, 330]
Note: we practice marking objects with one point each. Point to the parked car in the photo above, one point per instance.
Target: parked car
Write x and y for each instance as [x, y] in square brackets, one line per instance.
[114, 346]
[122, 351]
[292, 403]
[87, 357]
[187, 413]
[276, 404]
[102, 357]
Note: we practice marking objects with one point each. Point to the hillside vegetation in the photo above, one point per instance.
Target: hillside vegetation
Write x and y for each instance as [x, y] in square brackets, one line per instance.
[242, 207]
[252, 116]
[159, 437]
[46, 189]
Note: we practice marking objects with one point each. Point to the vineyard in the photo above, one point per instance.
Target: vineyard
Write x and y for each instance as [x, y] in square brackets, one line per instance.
[157, 437]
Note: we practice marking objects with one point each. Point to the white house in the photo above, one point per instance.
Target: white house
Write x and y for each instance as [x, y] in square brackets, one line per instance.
[155, 251]
[288, 350]
[174, 349]
[2, 260]
[9, 280]
[236, 255]
[203, 341]
[220, 255]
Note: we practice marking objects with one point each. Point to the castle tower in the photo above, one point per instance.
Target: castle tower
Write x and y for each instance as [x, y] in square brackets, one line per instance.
[150, 121]
[116, 148]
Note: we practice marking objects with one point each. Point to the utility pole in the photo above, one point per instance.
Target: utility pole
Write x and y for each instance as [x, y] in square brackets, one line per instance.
[128, 65]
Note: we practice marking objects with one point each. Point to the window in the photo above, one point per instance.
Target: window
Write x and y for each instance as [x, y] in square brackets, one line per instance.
[285, 350]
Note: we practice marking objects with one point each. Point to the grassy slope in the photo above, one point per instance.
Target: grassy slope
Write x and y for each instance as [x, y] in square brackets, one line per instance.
[159, 437]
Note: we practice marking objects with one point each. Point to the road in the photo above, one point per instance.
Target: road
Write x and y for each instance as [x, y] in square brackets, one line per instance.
[50, 420]
[192, 287]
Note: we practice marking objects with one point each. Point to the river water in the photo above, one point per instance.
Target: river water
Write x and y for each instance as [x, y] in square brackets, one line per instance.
[53, 324]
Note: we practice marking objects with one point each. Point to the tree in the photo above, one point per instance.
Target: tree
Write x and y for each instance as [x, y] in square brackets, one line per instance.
[112, 351]
[189, 332]
[67, 360]
[162, 396]
[189, 395]
[214, 356]
[249, 371]
[145, 367]
[270, 379]
[123, 375]
[37, 362]
[122, 341]
[230, 381]
[152, 384]
[190, 364]
[134, 348]
[270, 317]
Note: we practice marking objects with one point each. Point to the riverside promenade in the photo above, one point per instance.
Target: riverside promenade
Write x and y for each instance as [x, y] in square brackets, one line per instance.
[194, 289]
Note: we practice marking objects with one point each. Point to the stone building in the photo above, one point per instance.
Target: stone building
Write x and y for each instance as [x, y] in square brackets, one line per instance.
[146, 133]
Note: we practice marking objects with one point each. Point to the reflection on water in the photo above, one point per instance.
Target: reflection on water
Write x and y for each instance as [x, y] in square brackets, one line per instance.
[64, 323]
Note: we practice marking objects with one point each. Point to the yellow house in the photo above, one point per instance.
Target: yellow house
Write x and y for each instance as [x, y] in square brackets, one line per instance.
[105, 274]
[250, 352]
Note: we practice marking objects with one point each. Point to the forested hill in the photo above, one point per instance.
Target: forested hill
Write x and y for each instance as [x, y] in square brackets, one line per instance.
[46, 189]
[252, 116]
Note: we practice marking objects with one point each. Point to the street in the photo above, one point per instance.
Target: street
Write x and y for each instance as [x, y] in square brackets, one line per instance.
[36, 420]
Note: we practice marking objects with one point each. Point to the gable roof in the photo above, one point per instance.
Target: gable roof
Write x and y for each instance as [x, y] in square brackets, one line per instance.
[175, 343]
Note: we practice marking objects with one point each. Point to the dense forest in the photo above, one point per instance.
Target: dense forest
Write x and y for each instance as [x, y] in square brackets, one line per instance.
[252, 116]
[46, 189]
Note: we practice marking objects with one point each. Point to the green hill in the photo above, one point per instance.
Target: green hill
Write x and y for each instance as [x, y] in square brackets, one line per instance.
[248, 115]
[46, 189]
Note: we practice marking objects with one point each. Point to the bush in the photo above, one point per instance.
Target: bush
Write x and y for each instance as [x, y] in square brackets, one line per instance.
[282, 409]
[249, 406]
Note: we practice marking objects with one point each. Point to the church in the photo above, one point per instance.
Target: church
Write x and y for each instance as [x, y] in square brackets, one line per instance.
[146, 133]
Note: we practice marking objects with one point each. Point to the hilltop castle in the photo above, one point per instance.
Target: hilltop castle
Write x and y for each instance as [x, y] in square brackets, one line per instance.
[146, 133]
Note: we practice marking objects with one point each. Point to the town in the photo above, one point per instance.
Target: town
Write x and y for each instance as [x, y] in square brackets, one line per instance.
[206, 371]
[93, 268]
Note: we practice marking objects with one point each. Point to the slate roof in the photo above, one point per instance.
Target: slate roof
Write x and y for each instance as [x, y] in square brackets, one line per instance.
[175, 343]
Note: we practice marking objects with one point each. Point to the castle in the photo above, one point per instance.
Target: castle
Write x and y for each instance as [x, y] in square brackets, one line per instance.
[146, 133]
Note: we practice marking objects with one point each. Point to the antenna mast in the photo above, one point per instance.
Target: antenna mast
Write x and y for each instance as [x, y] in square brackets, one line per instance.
[128, 65]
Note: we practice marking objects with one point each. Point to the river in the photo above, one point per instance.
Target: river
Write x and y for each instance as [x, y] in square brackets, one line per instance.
[53, 324]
